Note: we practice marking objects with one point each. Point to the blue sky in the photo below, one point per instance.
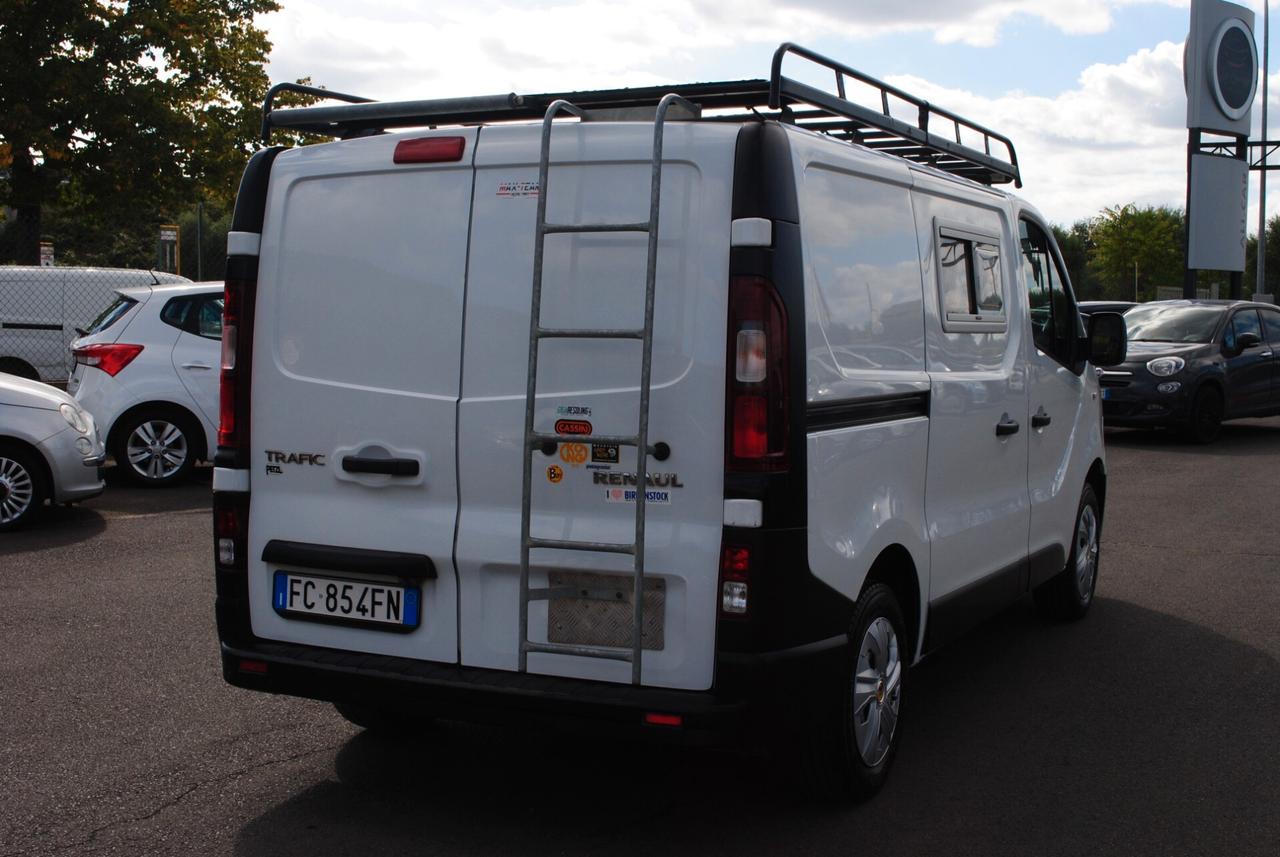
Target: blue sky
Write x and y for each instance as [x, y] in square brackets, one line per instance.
[1089, 90]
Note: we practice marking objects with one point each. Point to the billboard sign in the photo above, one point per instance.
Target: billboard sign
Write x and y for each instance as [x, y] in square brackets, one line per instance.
[1220, 67]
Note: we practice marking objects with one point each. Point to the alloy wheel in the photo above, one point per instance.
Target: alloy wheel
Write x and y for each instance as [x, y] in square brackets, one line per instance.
[17, 490]
[157, 449]
[1086, 551]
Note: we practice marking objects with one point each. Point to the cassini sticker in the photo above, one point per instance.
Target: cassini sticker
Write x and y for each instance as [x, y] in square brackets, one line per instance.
[573, 427]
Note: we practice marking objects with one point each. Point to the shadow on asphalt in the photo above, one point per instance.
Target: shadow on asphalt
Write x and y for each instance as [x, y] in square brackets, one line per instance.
[1247, 437]
[57, 526]
[1022, 738]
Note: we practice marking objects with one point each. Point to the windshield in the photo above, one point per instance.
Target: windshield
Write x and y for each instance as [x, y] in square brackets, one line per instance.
[1164, 323]
[110, 315]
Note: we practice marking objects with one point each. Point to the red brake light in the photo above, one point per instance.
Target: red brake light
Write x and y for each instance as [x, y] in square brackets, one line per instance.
[735, 581]
[654, 718]
[237, 340]
[426, 150]
[230, 530]
[757, 377]
[110, 357]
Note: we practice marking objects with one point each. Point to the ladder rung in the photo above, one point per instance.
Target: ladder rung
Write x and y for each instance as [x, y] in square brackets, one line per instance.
[558, 228]
[584, 651]
[589, 333]
[538, 438]
[570, 545]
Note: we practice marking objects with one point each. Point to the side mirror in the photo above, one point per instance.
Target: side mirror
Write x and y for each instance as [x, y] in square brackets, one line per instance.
[1247, 340]
[1108, 339]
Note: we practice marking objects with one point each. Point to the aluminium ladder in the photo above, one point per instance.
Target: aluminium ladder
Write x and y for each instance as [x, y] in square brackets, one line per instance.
[534, 440]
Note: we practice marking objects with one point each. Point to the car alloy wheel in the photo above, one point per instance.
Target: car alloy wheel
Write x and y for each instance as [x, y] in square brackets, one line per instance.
[1086, 552]
[877, 686]
[17, 490]
[157, 449]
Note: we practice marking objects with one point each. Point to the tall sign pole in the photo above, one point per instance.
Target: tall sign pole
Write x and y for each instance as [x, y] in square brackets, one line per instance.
[1261, 288]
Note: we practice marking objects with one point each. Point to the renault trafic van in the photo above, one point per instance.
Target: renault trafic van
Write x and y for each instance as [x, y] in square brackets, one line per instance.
[695, 410]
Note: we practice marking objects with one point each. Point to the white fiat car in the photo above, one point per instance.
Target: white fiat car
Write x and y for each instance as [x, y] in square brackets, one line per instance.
[49, 450]
[147, 369]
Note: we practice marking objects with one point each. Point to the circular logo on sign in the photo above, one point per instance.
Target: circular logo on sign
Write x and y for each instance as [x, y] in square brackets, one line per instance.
[573, 453]
[1233, 68]
[555, 473]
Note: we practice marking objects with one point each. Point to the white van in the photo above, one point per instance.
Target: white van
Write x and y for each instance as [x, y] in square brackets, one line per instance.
[41, 309]
[856, 371]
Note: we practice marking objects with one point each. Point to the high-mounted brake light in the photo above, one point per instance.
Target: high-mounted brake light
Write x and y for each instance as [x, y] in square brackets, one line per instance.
[110, 357]
[428, 150]
[758, 401]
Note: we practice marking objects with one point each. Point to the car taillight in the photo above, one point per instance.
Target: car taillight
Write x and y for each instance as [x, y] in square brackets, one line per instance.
[237, 343]
[110, 357]
[757, 393]
[230, 530]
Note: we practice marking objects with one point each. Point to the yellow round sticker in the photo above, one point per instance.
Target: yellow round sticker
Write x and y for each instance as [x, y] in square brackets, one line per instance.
[573, 453]
[554, 474]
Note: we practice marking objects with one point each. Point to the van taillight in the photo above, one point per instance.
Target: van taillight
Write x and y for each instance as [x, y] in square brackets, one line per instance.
[230, 530]
[758, 402]
[237, 343]
[109, 357]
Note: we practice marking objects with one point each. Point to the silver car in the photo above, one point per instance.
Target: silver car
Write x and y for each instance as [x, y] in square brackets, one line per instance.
[49, 450]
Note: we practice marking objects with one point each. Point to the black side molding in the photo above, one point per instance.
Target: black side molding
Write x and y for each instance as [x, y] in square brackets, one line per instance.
[413, 566]
[384, 466]
[826, 416]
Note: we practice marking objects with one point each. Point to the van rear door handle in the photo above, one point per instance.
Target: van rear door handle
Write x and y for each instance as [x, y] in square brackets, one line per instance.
[384, 466]
[1007, 426]
[1040, 419]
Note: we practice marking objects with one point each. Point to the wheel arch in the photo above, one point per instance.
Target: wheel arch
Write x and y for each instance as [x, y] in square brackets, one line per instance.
[202, 442]
[46, 470]
[895, 568]
[30, 371]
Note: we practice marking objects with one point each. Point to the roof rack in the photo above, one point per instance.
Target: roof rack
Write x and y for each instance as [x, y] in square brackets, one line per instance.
[788, 99]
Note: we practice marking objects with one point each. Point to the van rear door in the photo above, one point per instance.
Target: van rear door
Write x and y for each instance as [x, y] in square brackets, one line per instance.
[600, 174]
[356, 364]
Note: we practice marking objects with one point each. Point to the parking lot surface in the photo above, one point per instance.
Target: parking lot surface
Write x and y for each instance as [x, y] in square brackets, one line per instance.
[1150, 728]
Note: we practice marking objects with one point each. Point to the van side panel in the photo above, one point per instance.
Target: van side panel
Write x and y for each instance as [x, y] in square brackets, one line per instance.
[357, 352]
[867, 390]
[600, 174]
[978, 508]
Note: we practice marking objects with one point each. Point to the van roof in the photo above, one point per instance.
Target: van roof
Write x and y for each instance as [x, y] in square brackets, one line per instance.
[963, 147]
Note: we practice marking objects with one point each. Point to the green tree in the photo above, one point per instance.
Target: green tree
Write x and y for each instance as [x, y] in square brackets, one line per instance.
[1273, 259]
[116, 113]
[1136, 250]
[1076, 245]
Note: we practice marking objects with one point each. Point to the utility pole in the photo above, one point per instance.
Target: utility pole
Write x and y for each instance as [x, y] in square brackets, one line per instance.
[200, 239]
[1260, 290]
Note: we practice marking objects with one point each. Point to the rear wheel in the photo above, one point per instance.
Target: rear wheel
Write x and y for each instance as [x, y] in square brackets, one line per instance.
[847, 752]
[1068, 595]
[1207, 411]
[21, 368]
[383, 722]
[155, 447]
[22, 487]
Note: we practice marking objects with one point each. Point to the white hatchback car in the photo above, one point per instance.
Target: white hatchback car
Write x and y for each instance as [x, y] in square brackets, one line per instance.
[49, 450]
[147, 369]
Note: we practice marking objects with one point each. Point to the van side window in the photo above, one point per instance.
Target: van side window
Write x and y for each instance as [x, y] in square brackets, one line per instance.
[969, 283]
[1055, 323]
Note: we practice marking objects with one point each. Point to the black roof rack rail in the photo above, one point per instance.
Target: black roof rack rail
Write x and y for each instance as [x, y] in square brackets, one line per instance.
[789, 100]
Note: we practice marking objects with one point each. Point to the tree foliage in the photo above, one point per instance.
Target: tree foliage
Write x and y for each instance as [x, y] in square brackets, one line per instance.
[117, 112]
[1137, 249]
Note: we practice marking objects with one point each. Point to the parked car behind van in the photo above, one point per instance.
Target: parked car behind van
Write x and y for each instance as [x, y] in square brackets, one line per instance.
[688, 426]
[40, 309]
[1193, 364]
[147, 368]
[49, 450]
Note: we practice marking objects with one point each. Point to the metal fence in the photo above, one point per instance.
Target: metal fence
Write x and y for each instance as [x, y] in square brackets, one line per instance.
[42, 309]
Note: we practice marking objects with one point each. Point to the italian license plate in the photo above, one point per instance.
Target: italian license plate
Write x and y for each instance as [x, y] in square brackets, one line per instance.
[335, 599]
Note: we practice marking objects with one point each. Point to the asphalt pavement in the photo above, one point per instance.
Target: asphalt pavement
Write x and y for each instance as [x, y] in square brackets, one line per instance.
[1152, 727]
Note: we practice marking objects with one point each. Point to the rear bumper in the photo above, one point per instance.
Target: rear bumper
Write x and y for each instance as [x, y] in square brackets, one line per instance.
[748, 688]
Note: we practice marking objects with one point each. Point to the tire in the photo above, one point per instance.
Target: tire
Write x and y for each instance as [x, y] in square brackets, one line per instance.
[23, 487]
[21, 368]
[1068, 595]
[848, 747]
[155, 447]
[383, 722]
[1205, 422]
